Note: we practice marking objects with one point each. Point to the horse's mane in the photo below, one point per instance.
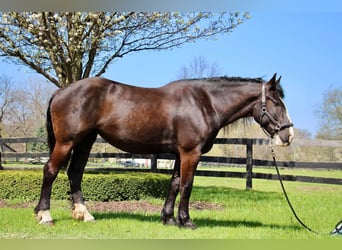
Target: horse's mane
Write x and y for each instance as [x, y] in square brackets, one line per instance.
[227, 79]
[236, 80]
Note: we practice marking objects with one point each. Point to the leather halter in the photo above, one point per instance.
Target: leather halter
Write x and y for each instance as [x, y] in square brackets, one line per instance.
[278, 126]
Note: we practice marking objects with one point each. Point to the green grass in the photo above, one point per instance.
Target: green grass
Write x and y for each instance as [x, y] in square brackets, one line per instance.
[328, 173]
[261, 213]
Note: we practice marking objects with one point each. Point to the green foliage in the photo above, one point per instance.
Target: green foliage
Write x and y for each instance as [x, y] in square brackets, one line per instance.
[39, 146]
[25, 186]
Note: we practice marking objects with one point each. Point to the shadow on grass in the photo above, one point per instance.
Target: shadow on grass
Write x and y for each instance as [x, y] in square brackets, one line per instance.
[240, 223]
[199, 222]
[207, 193]
[227, 193]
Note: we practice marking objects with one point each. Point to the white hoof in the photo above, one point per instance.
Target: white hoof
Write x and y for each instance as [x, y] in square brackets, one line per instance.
[44, 217]
[80, 212]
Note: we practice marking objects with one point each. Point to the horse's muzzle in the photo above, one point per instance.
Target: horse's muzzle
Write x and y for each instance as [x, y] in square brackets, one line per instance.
[284, 140]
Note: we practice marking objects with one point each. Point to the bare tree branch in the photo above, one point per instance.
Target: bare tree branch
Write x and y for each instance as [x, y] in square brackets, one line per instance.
[329, 114]
[6, 99]
[65, 47]
[199, 67]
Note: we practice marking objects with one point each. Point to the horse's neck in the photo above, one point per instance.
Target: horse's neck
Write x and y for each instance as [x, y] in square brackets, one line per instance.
[233, 102]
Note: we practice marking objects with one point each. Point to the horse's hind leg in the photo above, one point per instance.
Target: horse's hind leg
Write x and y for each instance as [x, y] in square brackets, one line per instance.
[75, 172]
[167, 214]
[58, 158]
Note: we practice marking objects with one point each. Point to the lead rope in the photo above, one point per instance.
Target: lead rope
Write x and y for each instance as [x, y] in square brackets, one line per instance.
[338, 227]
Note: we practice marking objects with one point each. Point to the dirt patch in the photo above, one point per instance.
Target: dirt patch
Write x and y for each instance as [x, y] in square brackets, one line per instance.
[143, 206]
[123, 206]
[199, 205]
[2, 203]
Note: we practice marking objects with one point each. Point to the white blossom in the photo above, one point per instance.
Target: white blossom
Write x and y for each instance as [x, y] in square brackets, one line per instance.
[88, 42]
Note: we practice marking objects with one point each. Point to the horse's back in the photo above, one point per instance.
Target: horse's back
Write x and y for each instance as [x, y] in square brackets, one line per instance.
[135, 119]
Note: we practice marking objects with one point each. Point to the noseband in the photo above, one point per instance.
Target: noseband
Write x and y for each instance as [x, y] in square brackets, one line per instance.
[277, 126]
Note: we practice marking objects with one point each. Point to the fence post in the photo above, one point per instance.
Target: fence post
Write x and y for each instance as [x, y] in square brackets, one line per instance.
[249, 163]
[154, 164]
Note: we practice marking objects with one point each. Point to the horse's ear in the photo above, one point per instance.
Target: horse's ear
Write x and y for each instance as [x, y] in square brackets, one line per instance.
[278, 81]
[273, 81]
[274, 84]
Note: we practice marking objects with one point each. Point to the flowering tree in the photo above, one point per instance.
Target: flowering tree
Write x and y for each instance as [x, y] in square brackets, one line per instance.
[65, 47]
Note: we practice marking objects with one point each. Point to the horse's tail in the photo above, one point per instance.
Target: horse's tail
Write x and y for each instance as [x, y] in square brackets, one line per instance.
[51, 139]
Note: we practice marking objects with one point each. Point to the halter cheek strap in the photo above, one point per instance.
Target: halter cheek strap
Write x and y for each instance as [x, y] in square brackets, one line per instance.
[263, 95]
[278, 126]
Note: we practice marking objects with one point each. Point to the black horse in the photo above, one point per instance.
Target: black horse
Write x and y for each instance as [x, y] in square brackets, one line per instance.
[182, 118]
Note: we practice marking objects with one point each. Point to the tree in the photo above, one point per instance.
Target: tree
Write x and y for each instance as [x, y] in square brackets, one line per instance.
[302, 133]
[39, 146]
[198, 68]
[6, 99]
[27, 112]
[65, 47]
[329, 114]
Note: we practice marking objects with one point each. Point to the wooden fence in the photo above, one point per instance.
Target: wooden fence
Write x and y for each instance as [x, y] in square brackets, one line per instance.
[7, 152]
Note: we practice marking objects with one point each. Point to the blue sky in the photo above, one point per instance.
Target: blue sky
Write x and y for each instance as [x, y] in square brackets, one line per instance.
[303, 47]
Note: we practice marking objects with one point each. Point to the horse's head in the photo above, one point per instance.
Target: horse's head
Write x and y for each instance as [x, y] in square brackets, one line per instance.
[271, 113]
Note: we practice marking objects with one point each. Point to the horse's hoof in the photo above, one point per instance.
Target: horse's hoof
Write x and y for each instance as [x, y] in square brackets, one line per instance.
[47, 223]
[89, 219]
[170, 221]
[44, 218]
[187, 224]
[81, 213]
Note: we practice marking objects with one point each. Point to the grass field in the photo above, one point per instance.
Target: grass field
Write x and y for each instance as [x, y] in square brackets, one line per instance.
[235, 213]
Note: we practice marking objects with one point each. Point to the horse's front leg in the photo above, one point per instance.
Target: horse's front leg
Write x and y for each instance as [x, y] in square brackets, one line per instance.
[167, 214]
[189, 163]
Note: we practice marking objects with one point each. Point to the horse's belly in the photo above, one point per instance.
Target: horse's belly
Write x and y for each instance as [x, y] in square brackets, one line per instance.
[140, 147]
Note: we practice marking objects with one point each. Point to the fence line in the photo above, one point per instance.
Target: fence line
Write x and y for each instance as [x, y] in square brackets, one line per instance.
[248, 161]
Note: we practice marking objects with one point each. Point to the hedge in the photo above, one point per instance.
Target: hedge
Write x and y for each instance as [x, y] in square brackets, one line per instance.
[25, 185]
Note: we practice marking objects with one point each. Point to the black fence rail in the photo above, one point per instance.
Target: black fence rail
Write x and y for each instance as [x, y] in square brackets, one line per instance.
[7, 152]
